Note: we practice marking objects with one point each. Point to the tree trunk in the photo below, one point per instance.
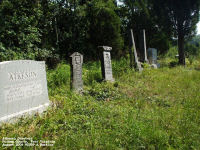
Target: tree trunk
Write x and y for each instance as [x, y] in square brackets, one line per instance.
[181, 50]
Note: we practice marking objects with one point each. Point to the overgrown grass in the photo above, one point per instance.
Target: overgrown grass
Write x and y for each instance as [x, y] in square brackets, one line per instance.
[155, 109]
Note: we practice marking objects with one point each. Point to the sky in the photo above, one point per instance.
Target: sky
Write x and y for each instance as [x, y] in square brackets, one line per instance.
[198, 28]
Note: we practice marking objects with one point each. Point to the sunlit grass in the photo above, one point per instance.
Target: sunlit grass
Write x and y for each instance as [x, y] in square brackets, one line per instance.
[155, 109]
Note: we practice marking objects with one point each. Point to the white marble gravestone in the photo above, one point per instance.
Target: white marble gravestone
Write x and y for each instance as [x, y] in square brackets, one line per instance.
[23, 88]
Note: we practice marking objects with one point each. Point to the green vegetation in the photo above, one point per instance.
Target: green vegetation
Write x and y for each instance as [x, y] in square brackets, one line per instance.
[182, 17]
[155, 109]
[51, 30]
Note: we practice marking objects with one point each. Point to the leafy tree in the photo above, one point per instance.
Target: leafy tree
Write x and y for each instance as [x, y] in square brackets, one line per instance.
[183, 16]
[70, 27]
[139, 15]
[104, 26]
[48, 28]
[192, 48]
[18, 25]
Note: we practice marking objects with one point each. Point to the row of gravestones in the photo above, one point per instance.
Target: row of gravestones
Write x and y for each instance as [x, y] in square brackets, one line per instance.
[23, 84]
[151, 52]
[106, 66]
[76, 68]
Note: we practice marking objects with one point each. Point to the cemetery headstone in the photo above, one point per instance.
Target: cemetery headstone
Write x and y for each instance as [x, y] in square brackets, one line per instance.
[142, 46]
[131, 51]
[145, 48]
[106, 65]
[23, 89]
[152, 56]
[76, 72]
[139, 67]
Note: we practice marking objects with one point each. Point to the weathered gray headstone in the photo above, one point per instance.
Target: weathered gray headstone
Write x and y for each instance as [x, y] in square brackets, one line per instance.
[139, 67]
[106, 65]
[76, 72]
[152, 56]
[23, 88]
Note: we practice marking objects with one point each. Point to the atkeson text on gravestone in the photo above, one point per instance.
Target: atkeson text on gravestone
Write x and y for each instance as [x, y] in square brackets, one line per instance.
[23, 88]
[106, 65]
[76, 72]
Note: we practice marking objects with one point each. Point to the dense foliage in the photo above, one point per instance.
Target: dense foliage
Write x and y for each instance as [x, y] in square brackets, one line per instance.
[51, 30]
[155, 109]
[182, 17]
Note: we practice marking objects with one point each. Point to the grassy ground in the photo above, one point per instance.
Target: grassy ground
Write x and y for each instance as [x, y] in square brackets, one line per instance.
[155, 109]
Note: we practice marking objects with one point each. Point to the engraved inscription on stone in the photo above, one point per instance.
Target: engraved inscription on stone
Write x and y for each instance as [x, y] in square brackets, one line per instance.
[107, 60]
[106, 65]
[23, 88]
[77, 60]
[22, 91]
[21, 75]
[76, 71]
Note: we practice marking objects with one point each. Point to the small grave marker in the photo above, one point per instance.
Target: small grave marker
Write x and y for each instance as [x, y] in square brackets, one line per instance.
[152, 55]
[106, 65]
[76, 72]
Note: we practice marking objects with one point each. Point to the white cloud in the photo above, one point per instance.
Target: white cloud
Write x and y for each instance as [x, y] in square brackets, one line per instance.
[198, 28]
[119, 3]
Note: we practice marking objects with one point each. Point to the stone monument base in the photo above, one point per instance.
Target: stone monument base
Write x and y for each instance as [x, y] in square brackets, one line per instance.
[111, 80]
[155, 66]
[14, 117]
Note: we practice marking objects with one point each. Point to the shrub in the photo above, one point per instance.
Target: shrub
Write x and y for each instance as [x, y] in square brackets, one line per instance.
[91, 73]
[58, 77]
[104, 91]
[172, 52]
